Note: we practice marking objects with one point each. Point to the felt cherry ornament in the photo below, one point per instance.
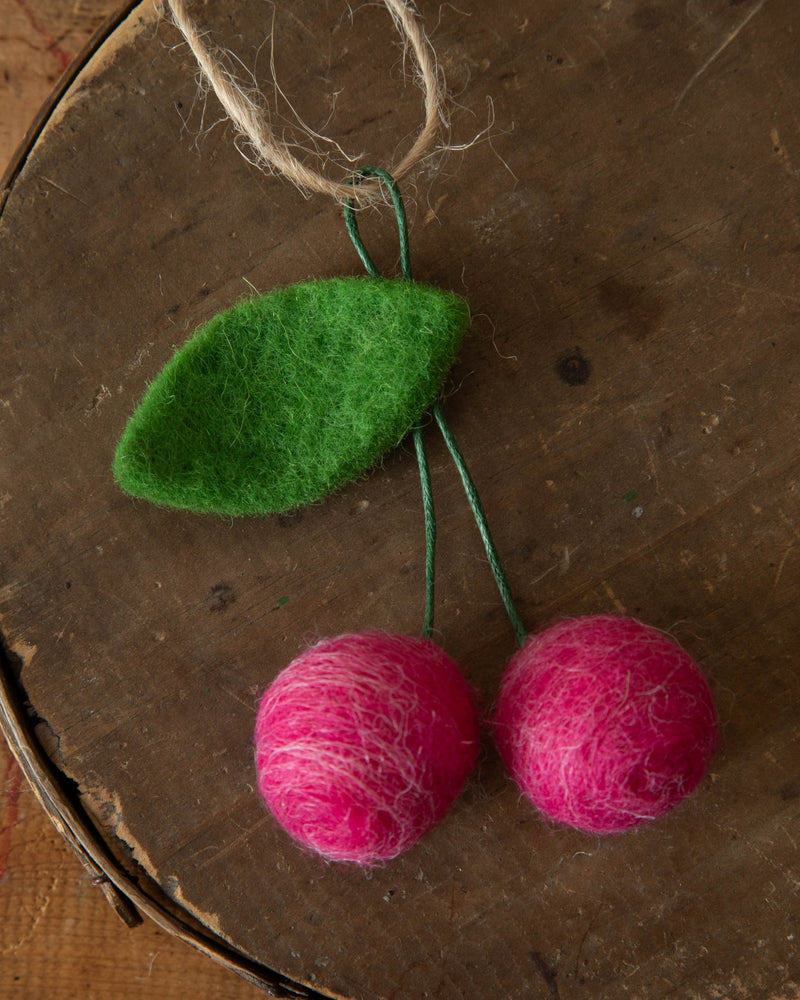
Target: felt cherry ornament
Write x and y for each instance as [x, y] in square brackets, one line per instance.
[605, 723]
[365, 740]
[363, 743]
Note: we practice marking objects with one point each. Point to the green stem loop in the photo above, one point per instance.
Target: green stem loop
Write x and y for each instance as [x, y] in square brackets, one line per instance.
[399, 211]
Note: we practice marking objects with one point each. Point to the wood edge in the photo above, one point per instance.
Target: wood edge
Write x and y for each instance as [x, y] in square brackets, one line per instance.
[126, 893]
[62, 85]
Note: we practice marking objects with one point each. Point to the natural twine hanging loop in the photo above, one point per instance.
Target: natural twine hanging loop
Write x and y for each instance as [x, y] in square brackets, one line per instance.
[250, 119]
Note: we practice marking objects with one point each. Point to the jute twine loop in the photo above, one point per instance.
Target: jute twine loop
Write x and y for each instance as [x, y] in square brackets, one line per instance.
[250, 119]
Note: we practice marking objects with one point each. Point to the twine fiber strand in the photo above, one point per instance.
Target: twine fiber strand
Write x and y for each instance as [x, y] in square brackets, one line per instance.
[250, 120]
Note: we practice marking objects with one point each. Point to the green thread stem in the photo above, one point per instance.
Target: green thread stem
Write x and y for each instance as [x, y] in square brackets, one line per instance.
[419, 443]
[399, 211]
[424, 471]
[430, 531]
[483, 526]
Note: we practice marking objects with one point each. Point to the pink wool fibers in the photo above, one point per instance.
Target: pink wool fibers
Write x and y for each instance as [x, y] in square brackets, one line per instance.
[605, 723]
[363, 742]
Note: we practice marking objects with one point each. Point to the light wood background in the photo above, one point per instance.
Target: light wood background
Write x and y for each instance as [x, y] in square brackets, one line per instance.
[58, 937]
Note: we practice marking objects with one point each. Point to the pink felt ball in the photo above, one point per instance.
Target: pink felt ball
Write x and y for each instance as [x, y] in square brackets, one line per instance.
[363, 742]
[605, 723]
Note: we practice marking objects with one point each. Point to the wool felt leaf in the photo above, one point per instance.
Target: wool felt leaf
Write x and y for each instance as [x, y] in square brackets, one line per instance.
[285, 397]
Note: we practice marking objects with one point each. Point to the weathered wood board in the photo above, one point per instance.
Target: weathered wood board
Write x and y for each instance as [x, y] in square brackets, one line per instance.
[627, 236]
[57, 940]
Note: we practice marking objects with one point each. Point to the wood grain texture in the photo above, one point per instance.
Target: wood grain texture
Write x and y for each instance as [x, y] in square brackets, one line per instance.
[628, 404]
[59, 937]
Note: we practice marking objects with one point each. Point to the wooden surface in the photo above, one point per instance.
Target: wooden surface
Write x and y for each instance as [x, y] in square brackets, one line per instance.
[59, 937]
[629, 242]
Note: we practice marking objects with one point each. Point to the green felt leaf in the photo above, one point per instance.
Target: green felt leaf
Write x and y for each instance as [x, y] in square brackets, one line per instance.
[287, 396]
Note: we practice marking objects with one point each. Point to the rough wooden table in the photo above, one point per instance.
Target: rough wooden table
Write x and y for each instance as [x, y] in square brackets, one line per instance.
[59, 938]
[628, 238]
